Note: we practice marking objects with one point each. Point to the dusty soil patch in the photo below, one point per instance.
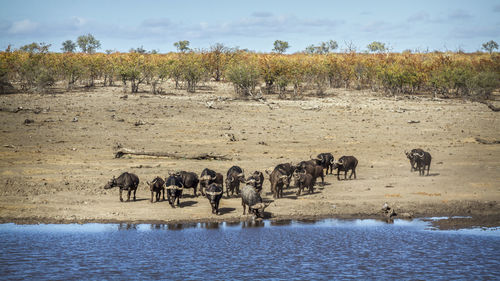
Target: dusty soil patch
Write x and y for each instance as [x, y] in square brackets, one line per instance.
[53, 169]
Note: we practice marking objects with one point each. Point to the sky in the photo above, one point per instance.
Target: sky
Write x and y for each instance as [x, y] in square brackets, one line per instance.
[255, 25]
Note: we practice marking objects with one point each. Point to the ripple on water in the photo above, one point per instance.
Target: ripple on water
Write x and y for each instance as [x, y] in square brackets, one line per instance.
[326, 249]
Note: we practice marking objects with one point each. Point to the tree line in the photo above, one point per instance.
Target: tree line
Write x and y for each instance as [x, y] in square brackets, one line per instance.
[32, 68]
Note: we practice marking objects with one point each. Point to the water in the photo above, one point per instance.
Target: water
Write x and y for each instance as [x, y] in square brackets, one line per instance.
[291, 250]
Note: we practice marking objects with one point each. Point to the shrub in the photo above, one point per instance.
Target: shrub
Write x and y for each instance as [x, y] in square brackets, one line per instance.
[244, 76]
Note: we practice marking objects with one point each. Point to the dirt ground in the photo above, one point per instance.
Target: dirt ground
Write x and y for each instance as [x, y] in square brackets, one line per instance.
[57, 152]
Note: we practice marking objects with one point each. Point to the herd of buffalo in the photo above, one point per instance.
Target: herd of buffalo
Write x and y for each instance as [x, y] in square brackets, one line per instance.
[210, 183]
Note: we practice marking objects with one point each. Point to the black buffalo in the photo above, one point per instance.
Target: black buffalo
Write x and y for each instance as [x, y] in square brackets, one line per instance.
[346, 163]
[423, 160]
[411, 156]
[214, 194]
[325, 160]
[208, 177]
[251, 198]
[279, 180]
[234, 176]
[126, 181]
[158, 186]
[312, 168]
[190, 180]
[256, 179]
[174, 187]
[304, 180]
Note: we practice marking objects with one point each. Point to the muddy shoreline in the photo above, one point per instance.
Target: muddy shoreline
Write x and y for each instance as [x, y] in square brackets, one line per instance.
[440, 219]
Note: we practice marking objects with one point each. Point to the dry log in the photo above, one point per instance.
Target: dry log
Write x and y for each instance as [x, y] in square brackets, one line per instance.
[485, 141]
[492, 107]
[202, 156]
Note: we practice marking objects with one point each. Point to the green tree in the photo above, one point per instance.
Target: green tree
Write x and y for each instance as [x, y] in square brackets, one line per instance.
[88, 43]
[139, 50]
[32, 48]
[490, 46]
[322, 48]
[68, 46]
[182, 46]
[376, 47]
[280, 46]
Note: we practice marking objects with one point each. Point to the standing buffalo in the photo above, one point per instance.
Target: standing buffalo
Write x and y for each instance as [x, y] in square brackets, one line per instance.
[256, 180]
[234, 176]
[190, 180]
[325, 160]
[214, 194]
[157, 185]
[126, 181]
[208, 177]
[279, 179]
[304, 180]
[411, 156]
[251, 198]
[421, 160]
[174, 187]
[345, 164]
[313, 169]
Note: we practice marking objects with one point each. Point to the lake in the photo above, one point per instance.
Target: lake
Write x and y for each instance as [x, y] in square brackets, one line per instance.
[285, 250]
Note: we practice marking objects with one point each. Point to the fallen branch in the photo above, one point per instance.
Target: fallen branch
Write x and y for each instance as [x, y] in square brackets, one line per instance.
[201, 156]
[484, 141]
[492, 107]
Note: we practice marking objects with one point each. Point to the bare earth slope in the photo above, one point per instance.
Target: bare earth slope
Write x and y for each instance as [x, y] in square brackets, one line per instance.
[54, 169]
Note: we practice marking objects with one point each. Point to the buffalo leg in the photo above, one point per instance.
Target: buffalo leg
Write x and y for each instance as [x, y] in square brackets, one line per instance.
[298, 191]
[121, 198]
[345, 174]
[338, 174]
[128, 194]
[135, 190]
[152, 197]
[428, 168]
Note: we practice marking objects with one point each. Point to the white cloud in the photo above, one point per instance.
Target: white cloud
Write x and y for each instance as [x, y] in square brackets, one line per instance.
[22, 27]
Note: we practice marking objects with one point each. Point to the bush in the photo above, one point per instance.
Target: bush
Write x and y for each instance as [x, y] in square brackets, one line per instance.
[244, 76]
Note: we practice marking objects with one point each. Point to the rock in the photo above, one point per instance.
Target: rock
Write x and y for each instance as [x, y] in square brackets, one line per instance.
[29, 121]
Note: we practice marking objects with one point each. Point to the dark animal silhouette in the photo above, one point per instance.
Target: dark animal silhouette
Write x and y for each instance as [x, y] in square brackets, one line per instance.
[256, 180]
[251, 198]
[190, 180]
[410, 155]
[423, 160]
[304, 180]
[157, 186]
[214, 194]
[126, 181]
[234, 176]
[346, 163]
[174, 187]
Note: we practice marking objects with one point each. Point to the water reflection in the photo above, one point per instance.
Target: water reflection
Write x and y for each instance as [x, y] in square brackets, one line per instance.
[209, 225]
[252, 223]
[281, 222]
[127, 226]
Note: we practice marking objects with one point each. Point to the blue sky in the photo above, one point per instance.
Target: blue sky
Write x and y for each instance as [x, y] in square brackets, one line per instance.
[255, 25]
